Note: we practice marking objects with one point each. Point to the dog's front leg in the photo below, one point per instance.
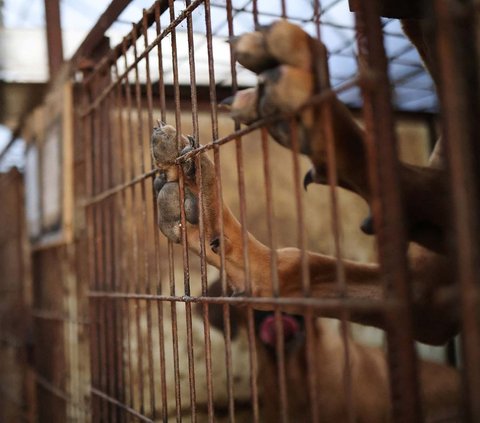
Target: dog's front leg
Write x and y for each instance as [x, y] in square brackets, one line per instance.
[244, 261]
[292, 70]
[249, 264]
[166, 147]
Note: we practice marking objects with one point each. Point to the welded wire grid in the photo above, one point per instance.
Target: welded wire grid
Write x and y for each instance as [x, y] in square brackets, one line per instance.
[138, 296]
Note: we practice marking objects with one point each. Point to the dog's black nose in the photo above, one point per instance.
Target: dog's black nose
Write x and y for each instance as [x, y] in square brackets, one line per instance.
[367, 225]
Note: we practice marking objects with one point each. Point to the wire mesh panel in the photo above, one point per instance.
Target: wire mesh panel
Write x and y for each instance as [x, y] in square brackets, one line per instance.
[206, 284]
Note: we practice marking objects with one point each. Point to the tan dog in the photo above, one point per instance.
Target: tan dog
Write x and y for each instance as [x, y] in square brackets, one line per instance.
[440, 384]
[292, 67]
[435, 317]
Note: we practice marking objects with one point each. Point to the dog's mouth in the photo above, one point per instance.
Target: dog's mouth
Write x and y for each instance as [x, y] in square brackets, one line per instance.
[291, 328]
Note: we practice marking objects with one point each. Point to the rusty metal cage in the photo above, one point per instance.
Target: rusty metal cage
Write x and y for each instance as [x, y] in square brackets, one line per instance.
[126, 325]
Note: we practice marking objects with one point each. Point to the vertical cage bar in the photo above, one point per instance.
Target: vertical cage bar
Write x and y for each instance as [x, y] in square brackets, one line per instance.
[108, 220]
[459, 86]
[149, 222]
[93, 333]
[133, 283]
[125, 202]
[326, 118]
[388, 214]
[198, 167]
[171, 264]
[159, 273]
[99, 252]
[186, 264]
[226, 308]
[173, 314]
[143, 201]
[120, 240]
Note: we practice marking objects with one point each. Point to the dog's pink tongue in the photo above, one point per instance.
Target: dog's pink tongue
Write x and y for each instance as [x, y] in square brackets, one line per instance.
[268, 334]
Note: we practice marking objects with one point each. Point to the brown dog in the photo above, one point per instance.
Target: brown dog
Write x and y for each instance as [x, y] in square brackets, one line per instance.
[440, 384]
[297, 70]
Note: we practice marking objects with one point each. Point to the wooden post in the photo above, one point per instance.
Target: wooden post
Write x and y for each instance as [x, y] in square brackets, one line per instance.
[54, 36]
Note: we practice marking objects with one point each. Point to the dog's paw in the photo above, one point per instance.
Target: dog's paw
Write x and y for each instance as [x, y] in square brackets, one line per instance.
[269, 46]
[169, 211]
[242, 106]
[291, 67]
[283, 89]
[166, 147]
[280, 91]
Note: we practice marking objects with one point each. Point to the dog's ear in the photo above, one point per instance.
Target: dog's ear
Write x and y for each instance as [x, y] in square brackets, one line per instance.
[215, 311]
